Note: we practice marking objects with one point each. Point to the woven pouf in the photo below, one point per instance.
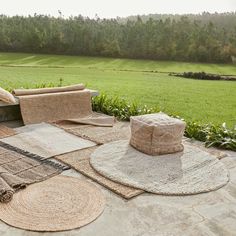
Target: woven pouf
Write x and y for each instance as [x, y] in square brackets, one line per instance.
[57, 204]
[156, 134]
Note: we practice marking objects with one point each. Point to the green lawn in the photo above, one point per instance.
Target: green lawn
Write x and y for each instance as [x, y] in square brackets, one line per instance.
[206, 101]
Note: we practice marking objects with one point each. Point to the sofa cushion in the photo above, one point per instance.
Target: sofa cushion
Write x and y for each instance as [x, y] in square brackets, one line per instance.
[6, 97]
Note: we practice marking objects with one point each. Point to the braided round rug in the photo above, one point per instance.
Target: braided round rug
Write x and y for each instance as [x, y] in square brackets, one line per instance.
[189, 172]
[57, 204]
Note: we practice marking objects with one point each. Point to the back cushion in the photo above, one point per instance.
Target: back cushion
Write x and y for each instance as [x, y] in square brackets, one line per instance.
[6, 97]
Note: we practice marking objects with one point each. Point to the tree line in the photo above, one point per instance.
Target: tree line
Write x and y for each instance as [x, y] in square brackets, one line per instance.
[182, 38]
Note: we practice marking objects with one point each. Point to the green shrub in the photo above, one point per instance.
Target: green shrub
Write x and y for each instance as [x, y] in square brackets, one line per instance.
[212, 135]
[119, 108]
[203, 76]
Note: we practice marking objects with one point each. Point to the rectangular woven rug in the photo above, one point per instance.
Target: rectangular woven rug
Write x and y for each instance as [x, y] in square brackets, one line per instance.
[54, 106]
[19, 169]
[99, 135]
[46, 140]
[79, 160]
[23, 92]
[94, 118]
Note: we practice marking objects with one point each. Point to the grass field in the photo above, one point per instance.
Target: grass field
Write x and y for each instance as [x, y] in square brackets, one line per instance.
[205, 101]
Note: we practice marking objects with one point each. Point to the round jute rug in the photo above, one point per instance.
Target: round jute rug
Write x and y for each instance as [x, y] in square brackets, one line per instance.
[57, 204]
[189, 172]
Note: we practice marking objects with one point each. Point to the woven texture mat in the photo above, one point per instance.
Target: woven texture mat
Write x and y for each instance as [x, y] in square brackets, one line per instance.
[22, 92]
[60, 203]
[79, 160]
[51, 107]
[6, 132]
[189, 172]
[213, 151]
[100, 135]
[46, 140]
[97, 119]
[19, 169]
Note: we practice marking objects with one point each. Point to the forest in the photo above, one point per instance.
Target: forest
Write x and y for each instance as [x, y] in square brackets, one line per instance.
[194, 38]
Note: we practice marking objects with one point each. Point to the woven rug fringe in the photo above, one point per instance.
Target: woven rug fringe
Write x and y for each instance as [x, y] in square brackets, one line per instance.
[34, 156]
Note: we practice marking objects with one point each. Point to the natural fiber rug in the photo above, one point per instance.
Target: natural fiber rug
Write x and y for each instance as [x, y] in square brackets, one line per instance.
[189, 172]
[55, 106]
[46, 140]
[70, 105]
[19, 169]
[213, 151]
[6, 132]
[60, 203]
[79, 160]
[100, 135]
[94, 118]
[23, 92]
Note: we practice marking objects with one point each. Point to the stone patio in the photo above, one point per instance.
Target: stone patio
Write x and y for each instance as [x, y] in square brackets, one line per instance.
[206, 214]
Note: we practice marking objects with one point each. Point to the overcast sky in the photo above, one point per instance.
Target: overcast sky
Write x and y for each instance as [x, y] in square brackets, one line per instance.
[113, 8]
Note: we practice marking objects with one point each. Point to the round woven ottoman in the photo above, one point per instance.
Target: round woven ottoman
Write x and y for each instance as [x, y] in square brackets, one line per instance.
[156, 134]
